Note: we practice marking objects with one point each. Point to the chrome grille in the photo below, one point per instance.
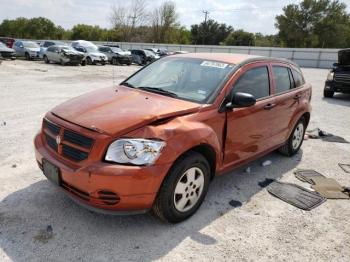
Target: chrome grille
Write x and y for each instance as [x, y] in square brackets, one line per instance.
[343, 78]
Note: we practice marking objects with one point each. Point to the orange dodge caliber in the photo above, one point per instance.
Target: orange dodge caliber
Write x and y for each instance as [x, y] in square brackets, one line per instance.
[156, 141]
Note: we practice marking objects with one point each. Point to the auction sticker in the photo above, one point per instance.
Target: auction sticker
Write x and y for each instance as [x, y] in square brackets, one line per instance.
[214, 64]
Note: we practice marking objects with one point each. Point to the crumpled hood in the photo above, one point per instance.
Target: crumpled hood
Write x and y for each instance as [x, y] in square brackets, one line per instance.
[6, 49]
[118, 112]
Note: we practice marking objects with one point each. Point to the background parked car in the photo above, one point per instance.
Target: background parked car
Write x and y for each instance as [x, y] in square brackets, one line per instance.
[143, 57]
[116, 55]
[7, 53]
[28, 49]
[92, 55]
[338, 79]
[45, 44]
[64, 55]
[8, 41]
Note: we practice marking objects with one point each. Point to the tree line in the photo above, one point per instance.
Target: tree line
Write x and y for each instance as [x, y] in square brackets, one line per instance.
[309, 24]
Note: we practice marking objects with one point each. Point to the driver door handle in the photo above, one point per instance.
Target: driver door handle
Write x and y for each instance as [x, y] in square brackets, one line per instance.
[269, 106]
[297, 97]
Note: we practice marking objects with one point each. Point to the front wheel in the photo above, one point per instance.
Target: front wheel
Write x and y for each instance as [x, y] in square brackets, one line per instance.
[295, 140]
[184, 188]
[27, 56]
[47, 61]
[328, 93]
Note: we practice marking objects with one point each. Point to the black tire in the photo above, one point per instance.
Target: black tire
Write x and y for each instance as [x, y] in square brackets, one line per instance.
[164, 206]
[83, 63]
[27, 56]
[103, 63]
[328, 93]
[62, 63]
[288, 149]
[89, 61]
[47, 61]
[114, 61]
[129, 63]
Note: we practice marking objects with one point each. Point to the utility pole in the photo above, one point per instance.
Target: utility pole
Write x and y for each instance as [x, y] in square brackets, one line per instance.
[206, 13]
[132, 24]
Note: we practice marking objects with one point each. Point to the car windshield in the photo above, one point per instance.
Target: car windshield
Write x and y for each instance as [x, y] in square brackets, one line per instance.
[186, 78]
[30, 45]
[116, 49]
[68, 48]
[91, 48]
[149, 53]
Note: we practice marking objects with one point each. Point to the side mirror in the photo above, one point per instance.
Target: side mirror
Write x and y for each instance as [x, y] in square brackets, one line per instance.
[335, 64]
[241, 100]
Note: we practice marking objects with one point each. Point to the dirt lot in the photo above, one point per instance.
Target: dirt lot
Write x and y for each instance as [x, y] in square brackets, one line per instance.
[39, 223]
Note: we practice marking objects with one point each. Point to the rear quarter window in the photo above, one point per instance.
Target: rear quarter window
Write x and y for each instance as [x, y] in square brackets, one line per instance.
[298, 78]
[282, 78]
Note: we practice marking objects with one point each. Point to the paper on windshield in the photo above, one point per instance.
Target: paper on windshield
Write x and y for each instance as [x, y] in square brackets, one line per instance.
[214, 64]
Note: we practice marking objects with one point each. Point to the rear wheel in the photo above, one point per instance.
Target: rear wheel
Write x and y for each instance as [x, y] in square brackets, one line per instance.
[47, 61]
[328, 93]
[62, 63]
[295, 140]
[89, 61]
[83, 63]
[184, 188]
[103, 63]
[27, 56]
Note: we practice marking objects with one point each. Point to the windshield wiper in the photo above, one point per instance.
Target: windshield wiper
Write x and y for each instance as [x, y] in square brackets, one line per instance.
[158, 91]
[127, 84]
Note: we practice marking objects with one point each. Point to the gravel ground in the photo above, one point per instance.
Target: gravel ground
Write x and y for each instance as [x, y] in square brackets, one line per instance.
[39, 223]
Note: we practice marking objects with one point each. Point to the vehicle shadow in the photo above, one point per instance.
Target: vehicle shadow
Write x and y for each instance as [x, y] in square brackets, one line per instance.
[40, 223]
[339, 99]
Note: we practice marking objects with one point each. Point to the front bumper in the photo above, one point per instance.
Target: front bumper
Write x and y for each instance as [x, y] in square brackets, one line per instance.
[135, 186]
[99, 60]
[8, 55]
[337, 86]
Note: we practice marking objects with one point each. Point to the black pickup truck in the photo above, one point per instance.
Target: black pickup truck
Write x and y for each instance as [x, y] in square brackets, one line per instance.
[338, 79]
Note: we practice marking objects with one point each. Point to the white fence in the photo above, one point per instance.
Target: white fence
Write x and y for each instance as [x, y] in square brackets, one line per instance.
[305, 57]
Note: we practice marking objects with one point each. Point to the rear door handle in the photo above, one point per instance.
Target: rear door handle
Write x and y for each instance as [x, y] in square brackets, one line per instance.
[269, 106]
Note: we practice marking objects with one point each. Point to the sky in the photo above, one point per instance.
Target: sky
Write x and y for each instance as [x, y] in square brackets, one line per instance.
[250, 15]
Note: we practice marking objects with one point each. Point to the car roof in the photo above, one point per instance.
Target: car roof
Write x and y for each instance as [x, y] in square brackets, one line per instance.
[232, 58]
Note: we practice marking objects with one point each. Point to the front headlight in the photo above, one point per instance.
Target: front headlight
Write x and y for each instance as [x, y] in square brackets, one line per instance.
[134, 151]
[330, 76]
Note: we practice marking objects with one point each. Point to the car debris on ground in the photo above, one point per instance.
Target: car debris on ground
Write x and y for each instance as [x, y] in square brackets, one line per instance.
[325, 136]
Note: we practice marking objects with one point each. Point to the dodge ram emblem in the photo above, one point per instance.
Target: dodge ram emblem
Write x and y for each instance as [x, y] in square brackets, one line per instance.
[58, 140]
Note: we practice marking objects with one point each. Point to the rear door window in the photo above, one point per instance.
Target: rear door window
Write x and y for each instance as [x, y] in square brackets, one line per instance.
[298, 78]
[255, 82]
[282, 78]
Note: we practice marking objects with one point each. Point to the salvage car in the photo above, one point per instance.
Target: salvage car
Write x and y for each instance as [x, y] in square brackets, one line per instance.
[338, 79]
[64, 55]
[6, 52]
[155, 141]
[28, 49]
[92, 55]
[116, 56]
[143, 57]
[45, 44]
